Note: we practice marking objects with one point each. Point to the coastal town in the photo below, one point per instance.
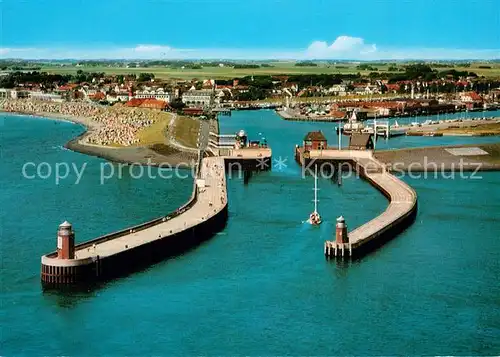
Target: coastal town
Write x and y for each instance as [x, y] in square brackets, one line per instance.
[412, 89]
[120, 106]
[256, 178]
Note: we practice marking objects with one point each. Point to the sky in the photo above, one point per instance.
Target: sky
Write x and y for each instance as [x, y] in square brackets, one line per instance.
[251, 29]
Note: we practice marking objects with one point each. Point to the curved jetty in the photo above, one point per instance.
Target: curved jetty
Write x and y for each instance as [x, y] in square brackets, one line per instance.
[137, 247]
[399, 214]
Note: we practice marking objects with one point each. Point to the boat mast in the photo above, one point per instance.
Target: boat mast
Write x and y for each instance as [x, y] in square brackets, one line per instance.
[316, 189]
[340, 135]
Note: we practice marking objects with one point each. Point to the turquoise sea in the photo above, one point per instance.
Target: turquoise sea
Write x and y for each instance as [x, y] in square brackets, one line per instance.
[262, 286]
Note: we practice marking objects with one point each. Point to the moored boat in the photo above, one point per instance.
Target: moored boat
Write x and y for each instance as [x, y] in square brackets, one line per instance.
[353, 125]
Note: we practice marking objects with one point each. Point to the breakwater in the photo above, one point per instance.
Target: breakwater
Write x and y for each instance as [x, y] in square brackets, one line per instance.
[221, 281]
[137, 247]
[399, 214]
[132, 248]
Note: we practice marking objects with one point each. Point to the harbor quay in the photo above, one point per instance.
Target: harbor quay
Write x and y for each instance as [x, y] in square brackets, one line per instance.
[400, 213]
[248, 160]
[120, 253]
[446, 161]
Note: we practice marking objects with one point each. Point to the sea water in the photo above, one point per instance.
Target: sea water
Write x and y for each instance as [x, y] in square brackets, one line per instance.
[262, 285]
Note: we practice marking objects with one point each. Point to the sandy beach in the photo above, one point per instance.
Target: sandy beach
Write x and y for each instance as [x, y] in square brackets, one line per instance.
[144, 155]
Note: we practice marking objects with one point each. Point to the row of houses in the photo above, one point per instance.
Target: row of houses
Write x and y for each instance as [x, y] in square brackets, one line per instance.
[387, 108]
[159, 98]
[201, 94]
[193, 97]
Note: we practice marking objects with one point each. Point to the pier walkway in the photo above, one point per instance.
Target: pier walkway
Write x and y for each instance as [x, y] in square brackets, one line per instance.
[403, 200]
[210, 200]
[400, 212]
[136, 247]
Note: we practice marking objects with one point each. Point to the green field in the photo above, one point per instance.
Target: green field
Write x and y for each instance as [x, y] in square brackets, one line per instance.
[186, 131]
[155, 134]
[276, 69]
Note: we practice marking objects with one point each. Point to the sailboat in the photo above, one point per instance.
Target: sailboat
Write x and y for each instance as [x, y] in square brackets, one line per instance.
[353, 125]
[315, 218]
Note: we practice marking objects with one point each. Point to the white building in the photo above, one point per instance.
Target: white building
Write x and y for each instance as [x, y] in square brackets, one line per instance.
[112, 98]
[222, 95]
[158, 94]
[123, 96]
[51, 97]
[338, 89]
[381, 111]
[87, 91]
[198, 97]
[368, 89]
[372, 89]
[470, 97]
[6, 93]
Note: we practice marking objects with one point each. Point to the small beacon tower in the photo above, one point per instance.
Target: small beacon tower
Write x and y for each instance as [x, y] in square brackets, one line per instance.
[341, 231]
[65, 241]
[61, 267]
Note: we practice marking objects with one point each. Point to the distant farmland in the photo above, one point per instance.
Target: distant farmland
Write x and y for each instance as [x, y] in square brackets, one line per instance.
[275, 68]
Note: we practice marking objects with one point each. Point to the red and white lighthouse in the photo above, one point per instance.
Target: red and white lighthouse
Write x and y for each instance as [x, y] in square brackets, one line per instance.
[65, 241]
[341, 231]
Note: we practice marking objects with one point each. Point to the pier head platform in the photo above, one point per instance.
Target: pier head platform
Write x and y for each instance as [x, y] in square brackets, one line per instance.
[239, 152]
[400, 213]
[248, 159]
[137, 247]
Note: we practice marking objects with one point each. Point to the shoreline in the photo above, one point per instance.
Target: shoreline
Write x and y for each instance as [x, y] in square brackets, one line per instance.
[293, 115]
[440, 129]
[142, 155]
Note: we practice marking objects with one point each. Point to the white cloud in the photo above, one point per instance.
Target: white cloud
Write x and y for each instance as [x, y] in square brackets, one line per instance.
[152, 48]
[14, 52]
[343, 47]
